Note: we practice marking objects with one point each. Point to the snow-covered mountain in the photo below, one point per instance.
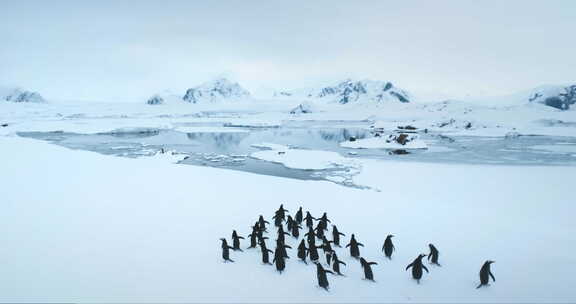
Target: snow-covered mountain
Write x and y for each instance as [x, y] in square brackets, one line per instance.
[560, 97]
[19, 95]
[353, 91]
[214, 91]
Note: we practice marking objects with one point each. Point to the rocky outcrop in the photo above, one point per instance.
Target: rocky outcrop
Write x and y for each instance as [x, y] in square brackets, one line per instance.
[559, 97]
[18, 95]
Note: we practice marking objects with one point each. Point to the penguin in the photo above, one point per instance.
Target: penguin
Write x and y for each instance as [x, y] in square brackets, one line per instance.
[322, 278]
[278, 220]
[336, 235]
[265, 251]
[388, 246]
[336, 264]
[236, 241]
[486, 274]
[311, 236]
[280, 215]
[354, 247]
[262, 223]
[282, 211]
[324, 219]
[320, 230]
[280, 245]
[296, 229]
[417, 268]
[253, 236]
[289, 223]
[309, 219]
[326, 245]
[367, 266]
[226, 251]
[433, 256]
[260, 235]
[279, 259]
[298, 216]
[282, 233]
[313, 251]
[302, 251]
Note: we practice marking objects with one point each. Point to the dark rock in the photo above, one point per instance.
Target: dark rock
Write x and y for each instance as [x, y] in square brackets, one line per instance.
[399, 152]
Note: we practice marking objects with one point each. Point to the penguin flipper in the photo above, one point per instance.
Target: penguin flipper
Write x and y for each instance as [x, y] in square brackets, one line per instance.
[409, 265]
[425, 268]
[360, 244]
[479, 286]
[492, 276]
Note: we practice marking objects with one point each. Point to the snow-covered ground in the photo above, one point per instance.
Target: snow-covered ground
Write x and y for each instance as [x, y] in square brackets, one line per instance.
[77, 226]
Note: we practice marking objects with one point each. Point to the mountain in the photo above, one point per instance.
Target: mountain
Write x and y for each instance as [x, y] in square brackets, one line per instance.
[354, 91]
[19, 95]
[559, 96]
[214, 91]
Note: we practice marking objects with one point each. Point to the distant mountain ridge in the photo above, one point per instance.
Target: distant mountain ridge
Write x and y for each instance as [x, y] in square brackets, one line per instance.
[353, 91]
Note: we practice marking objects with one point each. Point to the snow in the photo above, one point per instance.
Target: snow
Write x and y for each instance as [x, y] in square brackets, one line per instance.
[303, 159]
[106, 229]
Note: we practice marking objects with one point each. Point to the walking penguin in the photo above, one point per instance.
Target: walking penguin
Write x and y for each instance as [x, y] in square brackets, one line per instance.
[253, 236]
[262, 223]
[336, 264]
[417, 268]
[265, 251]
[226, 251]
[321, 273]
[279, 259]
[388, 246]
[302, 251]
[336, 235]
[309, 219]
[367, 266]
[433, 255]
[298, 216]
[354, 247]
[236, 241]
[486, 274]
[296, 229]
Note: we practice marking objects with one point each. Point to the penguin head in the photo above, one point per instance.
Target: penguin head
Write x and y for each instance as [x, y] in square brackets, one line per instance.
[319, 267]
[421, 256]
[390, 236]
[490, 262]
[362, 261]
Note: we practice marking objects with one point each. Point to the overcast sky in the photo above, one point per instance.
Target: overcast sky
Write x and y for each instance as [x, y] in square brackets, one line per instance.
[128, 50]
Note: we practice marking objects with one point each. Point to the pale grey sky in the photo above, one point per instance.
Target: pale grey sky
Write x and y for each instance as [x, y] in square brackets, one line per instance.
[128, 50]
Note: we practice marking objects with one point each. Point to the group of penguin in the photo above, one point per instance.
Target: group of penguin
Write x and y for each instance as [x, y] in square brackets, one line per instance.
[309, 249]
